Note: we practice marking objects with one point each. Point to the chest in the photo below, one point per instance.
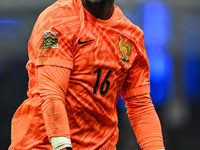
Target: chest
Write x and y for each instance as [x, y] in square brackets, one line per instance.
[103, 48]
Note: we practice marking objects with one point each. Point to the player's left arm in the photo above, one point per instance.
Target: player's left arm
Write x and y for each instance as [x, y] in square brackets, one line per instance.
[141, 111]
[145, 122]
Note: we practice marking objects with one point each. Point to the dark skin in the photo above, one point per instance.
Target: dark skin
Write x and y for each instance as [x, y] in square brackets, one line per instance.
[102, 9]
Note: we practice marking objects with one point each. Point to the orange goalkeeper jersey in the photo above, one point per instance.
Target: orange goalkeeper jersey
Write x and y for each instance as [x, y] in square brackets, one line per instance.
[106, 58]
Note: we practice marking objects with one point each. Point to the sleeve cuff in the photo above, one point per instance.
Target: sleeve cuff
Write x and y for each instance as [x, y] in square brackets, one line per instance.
[127, 93]
[59, 143]
[42, 61]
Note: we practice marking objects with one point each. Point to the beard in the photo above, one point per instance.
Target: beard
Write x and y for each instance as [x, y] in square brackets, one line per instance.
[96, 4]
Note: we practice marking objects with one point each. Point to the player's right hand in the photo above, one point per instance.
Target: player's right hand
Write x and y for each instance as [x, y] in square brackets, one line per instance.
[61, 143]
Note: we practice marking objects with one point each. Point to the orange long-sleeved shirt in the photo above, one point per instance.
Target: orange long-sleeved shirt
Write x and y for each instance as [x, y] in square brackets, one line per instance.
[78, 65]
[53, 83]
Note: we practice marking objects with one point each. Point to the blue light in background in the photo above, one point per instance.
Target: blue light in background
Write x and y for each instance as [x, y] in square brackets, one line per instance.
[9, 21]
[191, 78]
[157, 64]
[157, 35]
[158, 94]
[121, 103]
[156, 23]
[191, 58]
[160, 64]
[9, 28]
[161, 75]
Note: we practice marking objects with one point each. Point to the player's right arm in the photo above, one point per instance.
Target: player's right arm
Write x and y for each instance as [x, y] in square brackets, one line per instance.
[53, 67]
[53, 62]
[52, 84]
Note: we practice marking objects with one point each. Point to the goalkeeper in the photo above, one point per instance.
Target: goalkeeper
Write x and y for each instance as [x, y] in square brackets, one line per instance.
[82, 55]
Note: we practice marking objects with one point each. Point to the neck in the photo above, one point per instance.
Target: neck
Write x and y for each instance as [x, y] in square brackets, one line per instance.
[102, 9]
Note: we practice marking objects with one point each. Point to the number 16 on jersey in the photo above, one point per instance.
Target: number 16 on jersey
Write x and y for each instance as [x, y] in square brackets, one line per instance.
[104, 85]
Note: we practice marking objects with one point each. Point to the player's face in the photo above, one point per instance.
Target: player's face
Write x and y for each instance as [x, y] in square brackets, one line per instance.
[97, 4]
[94, 1]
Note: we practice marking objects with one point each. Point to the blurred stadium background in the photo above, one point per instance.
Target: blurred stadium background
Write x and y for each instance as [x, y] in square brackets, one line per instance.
[172, 40]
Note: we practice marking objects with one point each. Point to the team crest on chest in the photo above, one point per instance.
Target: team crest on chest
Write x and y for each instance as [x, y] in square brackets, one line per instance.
[125, 49]
[50, 40]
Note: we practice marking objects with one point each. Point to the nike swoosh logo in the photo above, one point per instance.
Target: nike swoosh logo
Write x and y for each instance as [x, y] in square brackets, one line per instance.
[83, 42]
